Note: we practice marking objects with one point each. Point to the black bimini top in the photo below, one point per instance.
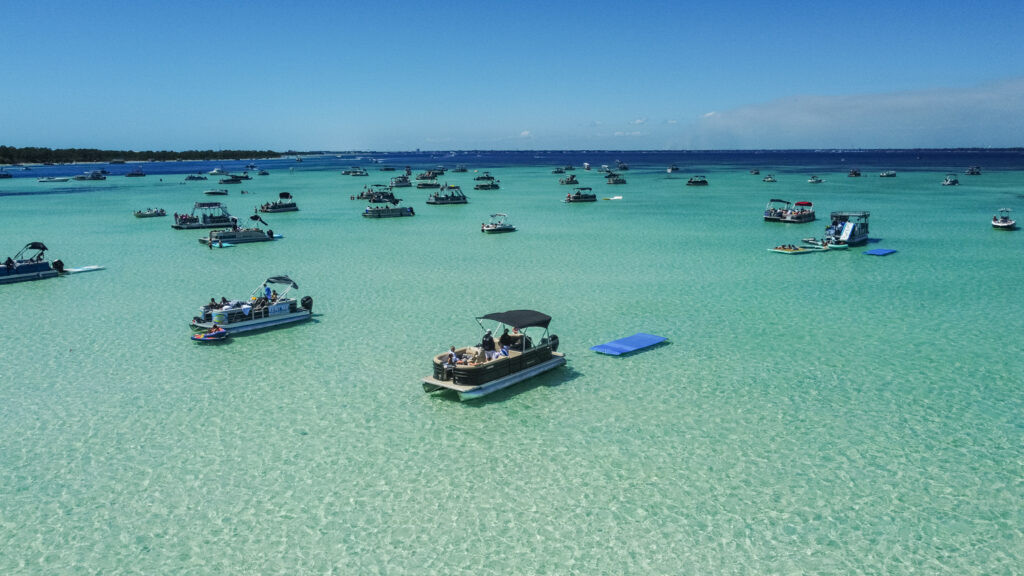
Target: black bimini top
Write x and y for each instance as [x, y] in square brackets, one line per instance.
[282, 280]
[520, 318]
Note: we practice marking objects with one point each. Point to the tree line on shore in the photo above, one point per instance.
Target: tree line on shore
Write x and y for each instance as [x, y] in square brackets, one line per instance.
[32, 155]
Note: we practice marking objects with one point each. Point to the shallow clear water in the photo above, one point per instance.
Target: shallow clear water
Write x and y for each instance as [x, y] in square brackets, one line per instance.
[827, 413]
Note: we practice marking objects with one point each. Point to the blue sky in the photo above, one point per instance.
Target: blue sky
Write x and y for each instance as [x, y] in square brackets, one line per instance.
[397, 75]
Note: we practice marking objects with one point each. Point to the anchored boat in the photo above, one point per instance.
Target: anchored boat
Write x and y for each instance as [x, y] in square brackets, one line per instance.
[263, 308]
[497, 224]
[450, 194]
[850, 228]
[803, 212]
[285, 203]
[584, 194]
[475, 371]
[204, 215]
[1002, 221]
[385, 211]
[29, 264]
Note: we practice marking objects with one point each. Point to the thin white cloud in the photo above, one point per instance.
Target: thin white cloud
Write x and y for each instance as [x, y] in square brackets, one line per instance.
[639, 121]
[525, 134]
[633, 133]
[989, 115]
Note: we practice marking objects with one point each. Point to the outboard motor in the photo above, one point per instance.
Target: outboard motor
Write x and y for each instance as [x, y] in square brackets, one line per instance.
[307, 303]
[58, 266]
[554, 342]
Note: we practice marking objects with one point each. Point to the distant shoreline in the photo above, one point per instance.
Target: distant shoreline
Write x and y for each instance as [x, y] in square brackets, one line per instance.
[11, 156]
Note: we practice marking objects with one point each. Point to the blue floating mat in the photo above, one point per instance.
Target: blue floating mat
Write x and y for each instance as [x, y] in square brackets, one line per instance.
[879, 252]
[628, 344]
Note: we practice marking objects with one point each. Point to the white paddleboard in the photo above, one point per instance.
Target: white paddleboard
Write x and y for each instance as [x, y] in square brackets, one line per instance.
[83, 269]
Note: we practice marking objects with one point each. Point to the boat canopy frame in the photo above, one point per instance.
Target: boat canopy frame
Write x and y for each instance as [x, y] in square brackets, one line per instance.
[39, 246]
[285, 280]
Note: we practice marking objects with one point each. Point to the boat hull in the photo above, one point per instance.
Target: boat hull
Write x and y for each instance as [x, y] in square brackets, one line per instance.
[300, 315]
[244, 237]
[388, 212]
[284, 208]
[798, 219]
[200, 225]
[27, 276]
[470, 392]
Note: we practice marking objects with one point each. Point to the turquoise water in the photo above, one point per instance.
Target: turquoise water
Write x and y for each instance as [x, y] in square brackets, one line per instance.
[828, 413]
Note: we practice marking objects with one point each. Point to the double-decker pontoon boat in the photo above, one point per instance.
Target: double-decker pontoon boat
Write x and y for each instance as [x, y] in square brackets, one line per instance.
[204, 215]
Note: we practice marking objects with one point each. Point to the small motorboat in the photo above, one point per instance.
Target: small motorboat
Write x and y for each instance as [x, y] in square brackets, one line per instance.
[498, 224]
[215, 334]
[150, 213]
[1002, 221]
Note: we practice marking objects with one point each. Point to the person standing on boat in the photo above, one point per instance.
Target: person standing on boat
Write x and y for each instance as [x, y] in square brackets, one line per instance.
[488, 345]
[266, 292]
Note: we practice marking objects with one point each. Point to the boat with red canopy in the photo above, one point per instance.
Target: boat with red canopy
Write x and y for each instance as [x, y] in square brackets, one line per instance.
[800, 213]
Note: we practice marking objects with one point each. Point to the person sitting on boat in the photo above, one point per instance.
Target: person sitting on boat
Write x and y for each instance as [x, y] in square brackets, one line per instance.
[214, 329]
[453, 358]
[10, 263]
[488, 345]
[212, 304]
[505, 341]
